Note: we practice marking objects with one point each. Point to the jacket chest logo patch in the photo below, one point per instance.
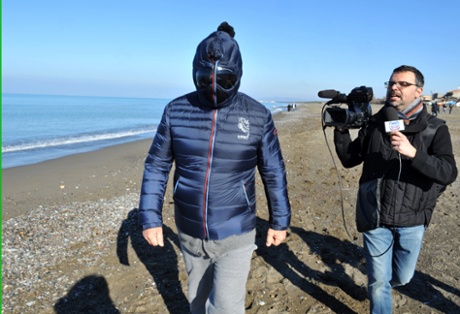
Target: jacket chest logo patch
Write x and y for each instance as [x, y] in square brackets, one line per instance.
[243, 125]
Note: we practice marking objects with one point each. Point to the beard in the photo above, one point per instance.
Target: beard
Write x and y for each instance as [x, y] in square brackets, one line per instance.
[394, 100]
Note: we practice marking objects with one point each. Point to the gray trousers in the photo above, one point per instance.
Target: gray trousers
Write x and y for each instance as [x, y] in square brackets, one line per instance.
[217, 272]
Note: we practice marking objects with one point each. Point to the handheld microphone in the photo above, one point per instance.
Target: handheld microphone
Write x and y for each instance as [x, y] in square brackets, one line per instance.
[392, 123]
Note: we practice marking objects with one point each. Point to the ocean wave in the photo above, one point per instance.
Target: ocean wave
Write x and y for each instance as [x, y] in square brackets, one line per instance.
[87, 138]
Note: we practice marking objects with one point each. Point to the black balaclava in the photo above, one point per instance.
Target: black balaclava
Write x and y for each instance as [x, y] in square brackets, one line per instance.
[218, 67]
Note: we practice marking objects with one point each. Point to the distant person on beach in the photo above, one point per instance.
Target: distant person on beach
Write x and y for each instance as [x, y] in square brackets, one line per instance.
[217, 137]
[434, 108]
[403, 174]
[451, 105]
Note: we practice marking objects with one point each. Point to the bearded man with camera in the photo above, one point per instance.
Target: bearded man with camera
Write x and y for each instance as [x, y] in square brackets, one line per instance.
[404, 171]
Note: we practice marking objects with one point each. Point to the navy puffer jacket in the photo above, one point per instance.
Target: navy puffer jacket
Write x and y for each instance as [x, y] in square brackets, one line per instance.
[216, 147]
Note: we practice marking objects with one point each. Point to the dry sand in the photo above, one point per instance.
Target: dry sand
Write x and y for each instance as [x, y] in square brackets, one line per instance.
[108, 268]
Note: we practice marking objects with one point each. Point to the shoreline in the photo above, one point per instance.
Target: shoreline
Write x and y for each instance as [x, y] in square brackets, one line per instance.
[25, 151]
[89, 176]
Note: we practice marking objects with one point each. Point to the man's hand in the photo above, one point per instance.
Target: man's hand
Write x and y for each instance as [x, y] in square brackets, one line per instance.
[401, 144]
[275, 237]
[154, 236]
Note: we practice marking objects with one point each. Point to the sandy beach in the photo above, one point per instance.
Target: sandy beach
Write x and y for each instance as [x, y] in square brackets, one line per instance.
[71, 244]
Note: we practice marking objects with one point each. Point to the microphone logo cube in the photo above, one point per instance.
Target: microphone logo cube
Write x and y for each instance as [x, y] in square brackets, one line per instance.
[395, 125]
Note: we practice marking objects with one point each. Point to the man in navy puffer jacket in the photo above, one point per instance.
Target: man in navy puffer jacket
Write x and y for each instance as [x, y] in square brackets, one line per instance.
[217, 137]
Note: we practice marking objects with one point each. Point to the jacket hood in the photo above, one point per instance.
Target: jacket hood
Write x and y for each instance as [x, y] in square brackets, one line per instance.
[219, 50]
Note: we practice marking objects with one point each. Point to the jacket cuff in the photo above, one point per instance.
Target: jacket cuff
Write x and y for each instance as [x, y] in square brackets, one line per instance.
[419, 161]
[151, 225]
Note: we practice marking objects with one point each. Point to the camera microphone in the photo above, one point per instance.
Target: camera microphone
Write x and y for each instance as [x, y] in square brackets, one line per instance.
[328, 93]
[336, 96]
[392, 121]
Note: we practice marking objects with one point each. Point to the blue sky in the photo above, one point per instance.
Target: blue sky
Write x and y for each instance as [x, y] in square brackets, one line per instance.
[291, 49]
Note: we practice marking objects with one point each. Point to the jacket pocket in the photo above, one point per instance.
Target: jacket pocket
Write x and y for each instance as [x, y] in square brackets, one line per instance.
[176, 186]
[368, 205]
[245, 193]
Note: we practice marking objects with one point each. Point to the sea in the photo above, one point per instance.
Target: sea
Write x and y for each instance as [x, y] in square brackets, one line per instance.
[37, 128]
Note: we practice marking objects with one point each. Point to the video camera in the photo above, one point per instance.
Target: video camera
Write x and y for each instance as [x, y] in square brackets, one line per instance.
[359, 107]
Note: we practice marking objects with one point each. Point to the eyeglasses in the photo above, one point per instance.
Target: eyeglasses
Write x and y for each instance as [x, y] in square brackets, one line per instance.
[226, 78]
[399, 84]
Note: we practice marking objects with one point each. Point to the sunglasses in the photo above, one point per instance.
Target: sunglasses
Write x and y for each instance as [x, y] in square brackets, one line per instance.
[226, 78]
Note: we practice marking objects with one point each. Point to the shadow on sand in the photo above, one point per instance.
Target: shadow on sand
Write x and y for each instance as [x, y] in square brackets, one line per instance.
[161, 262]
[332, 251]
[91, 294]
[426, 289]
[88, 295]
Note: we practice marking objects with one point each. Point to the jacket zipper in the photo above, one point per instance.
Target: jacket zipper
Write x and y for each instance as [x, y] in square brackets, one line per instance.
[208, 174]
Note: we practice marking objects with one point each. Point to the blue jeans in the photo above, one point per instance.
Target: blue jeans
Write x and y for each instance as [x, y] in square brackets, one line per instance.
[395, 267]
